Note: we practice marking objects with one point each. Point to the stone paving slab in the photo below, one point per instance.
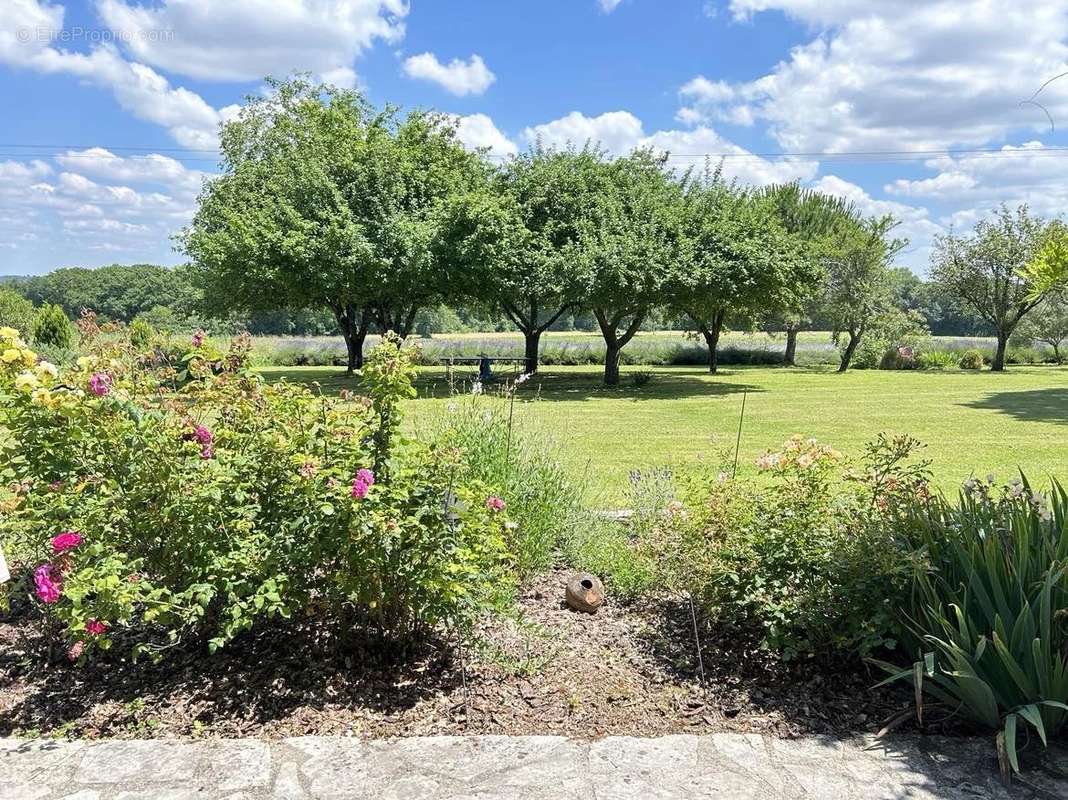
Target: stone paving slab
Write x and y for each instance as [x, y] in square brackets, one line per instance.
[725, 766]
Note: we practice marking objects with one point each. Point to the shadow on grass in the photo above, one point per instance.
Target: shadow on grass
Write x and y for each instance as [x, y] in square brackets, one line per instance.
[547, 384]
[1035, 405]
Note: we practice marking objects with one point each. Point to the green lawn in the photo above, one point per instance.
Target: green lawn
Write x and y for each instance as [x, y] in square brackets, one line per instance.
[973, 422]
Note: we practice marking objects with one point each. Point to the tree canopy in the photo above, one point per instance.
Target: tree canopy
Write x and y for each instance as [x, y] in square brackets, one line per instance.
[325, 201]
[988, 270]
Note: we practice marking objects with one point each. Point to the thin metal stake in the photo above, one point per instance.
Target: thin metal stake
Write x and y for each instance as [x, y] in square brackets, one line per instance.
[697, 641]
[463, 675]
[738, 441]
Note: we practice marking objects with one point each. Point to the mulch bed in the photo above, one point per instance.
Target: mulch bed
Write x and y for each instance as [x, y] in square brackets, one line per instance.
[627, 670]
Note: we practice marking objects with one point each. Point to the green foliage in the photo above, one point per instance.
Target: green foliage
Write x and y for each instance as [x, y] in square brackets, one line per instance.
[15, 310]
[630, 237]
[971, 359]
[989, 270]
[141, 334]
[51, 327]
[116, 292]
[265, 491]
[544, 504]
[987, 612]
[938, 359]
[857, 301]
[738, 260]
[325, 201]
[519, 242]
[790, 558]
[606, 548]
[1047, 323]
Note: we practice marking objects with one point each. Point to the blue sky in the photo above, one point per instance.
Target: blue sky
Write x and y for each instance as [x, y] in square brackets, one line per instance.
[904, 107]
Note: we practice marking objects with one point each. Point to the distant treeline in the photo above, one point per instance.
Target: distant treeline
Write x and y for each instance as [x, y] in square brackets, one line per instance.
[166, 298]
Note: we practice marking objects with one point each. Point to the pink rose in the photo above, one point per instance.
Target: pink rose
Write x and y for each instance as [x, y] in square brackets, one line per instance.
[198, 337]
[48, 583]
[203, 435]
[66, 540]
[76, 651]
[359, 489]
[366, 476]
[494, 503]
[100, 384]
[95, 627]
[207, 451]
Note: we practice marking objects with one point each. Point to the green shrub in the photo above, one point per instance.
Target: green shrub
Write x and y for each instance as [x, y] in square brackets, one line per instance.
[207, 506]
[607, 548]
[15, 310]
[141, 334]
[51, 328]
[971, 359]
[544, 504]
[902, 357]
[938, 359]
[987, 613]
[790, 556]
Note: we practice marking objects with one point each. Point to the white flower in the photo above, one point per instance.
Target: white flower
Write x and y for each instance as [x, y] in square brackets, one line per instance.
[476, 387]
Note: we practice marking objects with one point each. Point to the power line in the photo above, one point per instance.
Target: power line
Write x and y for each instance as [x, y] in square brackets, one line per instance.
[31, 150]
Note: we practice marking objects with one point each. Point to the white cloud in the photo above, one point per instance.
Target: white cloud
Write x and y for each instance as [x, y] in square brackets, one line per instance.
[899, 74]
[975, 183]
[619, 132]
[242, 40]
[458, 77]
[139, 89]
[478, 130]
[131, 203]
[916, 225]
[616, 131]
[153, 167]
[608, 6]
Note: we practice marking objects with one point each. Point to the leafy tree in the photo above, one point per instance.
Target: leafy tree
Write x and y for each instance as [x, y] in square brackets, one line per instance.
[813, 217]
[15, 311]
[51, 327]
[1048, 322]
[519, 239]
[859, 281]
[630, 245]
[988, 270]
[324, 201]
[738, 260]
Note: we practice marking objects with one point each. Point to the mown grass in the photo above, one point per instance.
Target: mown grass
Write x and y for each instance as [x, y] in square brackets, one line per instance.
[972, 422]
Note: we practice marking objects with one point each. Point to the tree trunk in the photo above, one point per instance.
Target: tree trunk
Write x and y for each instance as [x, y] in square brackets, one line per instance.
[998, 365]
[611, 364]
[399, 320]
[614, 342]
[353, 324]
[847, 356]
[532, 340]
[789, 357]
[711, 333]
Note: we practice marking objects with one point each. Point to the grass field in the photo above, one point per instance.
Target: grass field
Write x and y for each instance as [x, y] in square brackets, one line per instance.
[972, 422]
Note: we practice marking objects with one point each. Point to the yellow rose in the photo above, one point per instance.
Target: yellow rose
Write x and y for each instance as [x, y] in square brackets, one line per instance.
[29, 358]
[11, 355]
[47, 372]
[41, 397]
[9, 334]
[26, 382]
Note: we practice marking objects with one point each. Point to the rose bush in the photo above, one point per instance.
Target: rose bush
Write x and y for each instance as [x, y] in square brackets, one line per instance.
[166, 500]
[790, 555]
